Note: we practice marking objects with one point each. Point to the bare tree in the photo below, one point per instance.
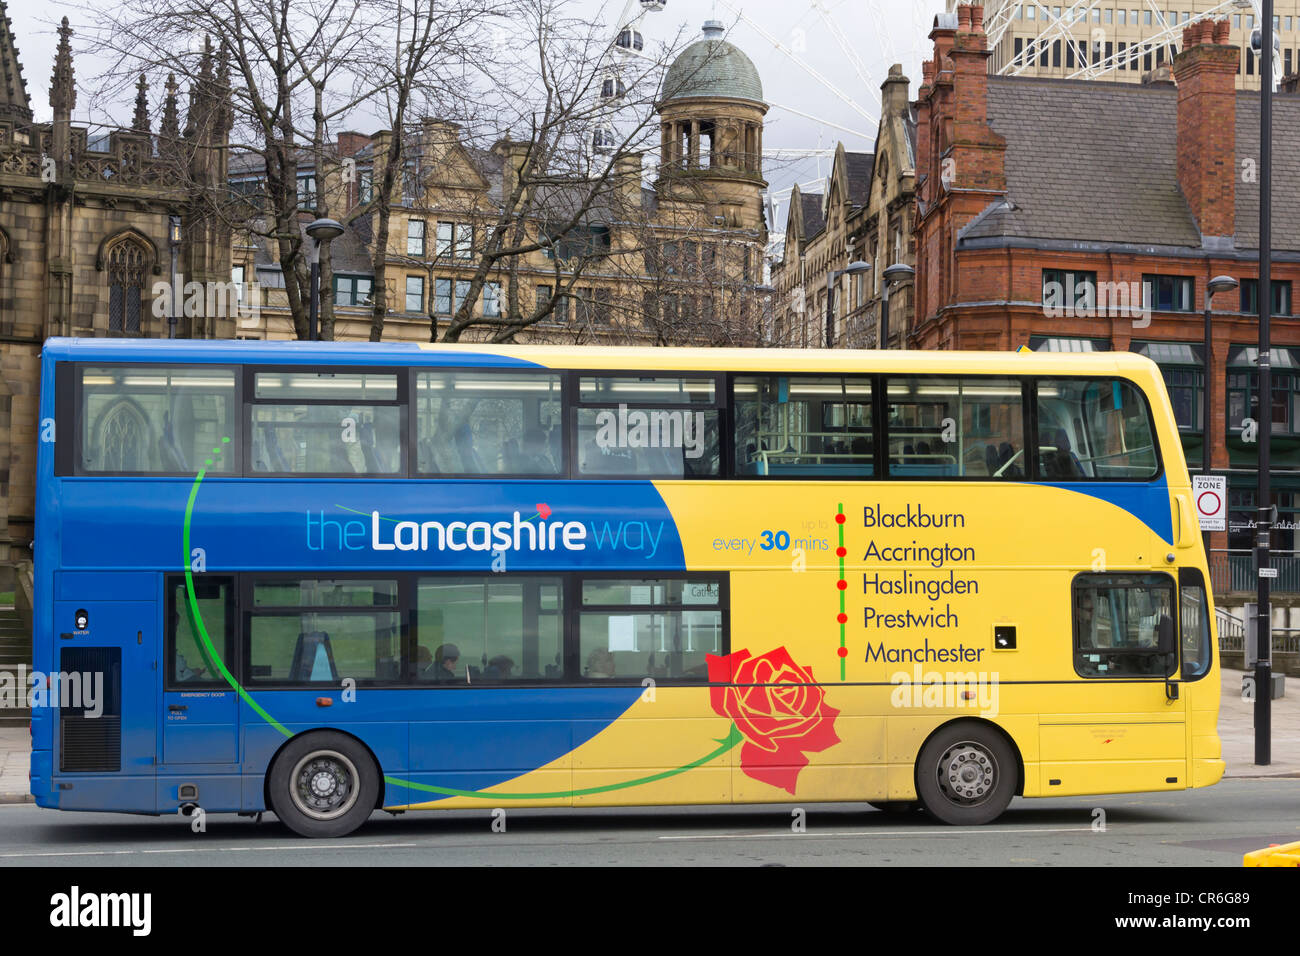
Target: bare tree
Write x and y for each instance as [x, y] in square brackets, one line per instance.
[423, 62]
[561, 201]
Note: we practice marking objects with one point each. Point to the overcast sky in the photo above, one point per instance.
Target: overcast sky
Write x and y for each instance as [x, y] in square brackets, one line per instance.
[837, 94]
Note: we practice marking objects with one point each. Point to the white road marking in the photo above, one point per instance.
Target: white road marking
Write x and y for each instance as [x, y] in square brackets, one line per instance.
[220, 849]
[871, 833]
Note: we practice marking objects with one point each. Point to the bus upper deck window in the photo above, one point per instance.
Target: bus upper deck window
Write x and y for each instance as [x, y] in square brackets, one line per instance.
[1094, 429]
[804, 426]
[956, 428]
[156, 419]
[644, 426]
[489, 423]
[327, 423]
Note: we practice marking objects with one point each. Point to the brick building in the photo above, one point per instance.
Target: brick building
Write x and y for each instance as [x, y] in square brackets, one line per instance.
[1089, 216]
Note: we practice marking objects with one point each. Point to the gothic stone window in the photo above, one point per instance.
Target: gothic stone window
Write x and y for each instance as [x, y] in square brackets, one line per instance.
[126, 277]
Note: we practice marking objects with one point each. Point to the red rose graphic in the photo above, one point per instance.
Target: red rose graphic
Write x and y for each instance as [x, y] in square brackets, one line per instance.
[782, 716]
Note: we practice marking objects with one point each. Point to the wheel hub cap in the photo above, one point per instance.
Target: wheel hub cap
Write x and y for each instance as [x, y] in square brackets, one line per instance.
[967, 773]
[324, 785]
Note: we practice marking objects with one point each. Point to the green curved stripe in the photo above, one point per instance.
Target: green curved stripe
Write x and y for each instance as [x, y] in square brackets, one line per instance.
[726, 743]
[208, 648]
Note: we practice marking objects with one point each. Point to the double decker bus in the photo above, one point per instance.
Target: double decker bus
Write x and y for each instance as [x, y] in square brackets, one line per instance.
[322, 579]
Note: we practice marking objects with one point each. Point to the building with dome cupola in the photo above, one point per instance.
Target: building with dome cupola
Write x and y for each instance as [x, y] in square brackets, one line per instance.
[711, 132]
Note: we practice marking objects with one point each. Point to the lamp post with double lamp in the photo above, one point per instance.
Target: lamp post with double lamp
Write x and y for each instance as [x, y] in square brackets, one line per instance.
[174, 241]
[895, 273]
[853, 268]
[319, 231]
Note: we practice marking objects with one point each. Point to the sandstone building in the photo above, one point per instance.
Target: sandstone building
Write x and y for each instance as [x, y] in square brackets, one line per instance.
[673, 262]
[864, 214]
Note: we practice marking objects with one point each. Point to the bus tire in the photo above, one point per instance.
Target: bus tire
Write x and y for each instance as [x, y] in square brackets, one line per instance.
[895, 806]
[323, 784]
[966, 774]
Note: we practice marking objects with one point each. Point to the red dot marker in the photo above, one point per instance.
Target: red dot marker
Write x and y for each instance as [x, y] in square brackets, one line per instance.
[842, 618]
[842, 585]
[840, 519]
[844, 652]
[841, 552]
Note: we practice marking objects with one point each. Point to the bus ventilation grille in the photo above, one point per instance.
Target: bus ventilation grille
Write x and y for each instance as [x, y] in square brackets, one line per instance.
[90, 720]
[90, 744]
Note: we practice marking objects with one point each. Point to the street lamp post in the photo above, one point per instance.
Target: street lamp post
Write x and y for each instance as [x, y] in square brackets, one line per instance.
[895, 273]
[319, 231]
[1263, 561]
[1214, 287]
[853, 268]
[174, 241]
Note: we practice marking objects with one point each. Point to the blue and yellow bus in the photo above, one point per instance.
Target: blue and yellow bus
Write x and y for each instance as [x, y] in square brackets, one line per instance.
[323, 578]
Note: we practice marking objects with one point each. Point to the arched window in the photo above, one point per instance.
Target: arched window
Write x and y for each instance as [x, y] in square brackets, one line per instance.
[122, 438]
[126, 274]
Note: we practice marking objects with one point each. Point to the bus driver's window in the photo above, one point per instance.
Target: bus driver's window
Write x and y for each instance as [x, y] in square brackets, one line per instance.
[1118, 619]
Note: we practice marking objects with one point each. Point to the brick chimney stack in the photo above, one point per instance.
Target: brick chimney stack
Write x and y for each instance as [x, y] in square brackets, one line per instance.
[978, 152]
[1206, 72]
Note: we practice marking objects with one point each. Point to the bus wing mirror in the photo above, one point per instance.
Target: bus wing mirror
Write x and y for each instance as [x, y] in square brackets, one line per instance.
[1165, 636]
[1167, 650]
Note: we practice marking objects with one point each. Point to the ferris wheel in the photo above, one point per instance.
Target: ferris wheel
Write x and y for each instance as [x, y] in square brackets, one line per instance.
[627, 45]
[1065, 24]
[843, 47]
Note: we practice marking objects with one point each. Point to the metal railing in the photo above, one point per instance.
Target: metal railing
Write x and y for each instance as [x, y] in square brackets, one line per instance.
[1234, 571]
[1232, 634]
[1231, 629]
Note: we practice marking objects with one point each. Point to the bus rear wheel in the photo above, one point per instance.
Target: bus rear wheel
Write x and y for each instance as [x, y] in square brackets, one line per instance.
[323, 785]
[966, 775]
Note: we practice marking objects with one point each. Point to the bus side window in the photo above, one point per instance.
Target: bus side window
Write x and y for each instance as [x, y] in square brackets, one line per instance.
[488, 423]
[326, 423]
[157, 419]
[793, 426]
[956, 428]
[189, 662]
[321, 630]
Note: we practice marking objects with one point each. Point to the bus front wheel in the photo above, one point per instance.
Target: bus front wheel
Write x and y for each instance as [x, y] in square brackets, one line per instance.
[323, 785]
[966, 775]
